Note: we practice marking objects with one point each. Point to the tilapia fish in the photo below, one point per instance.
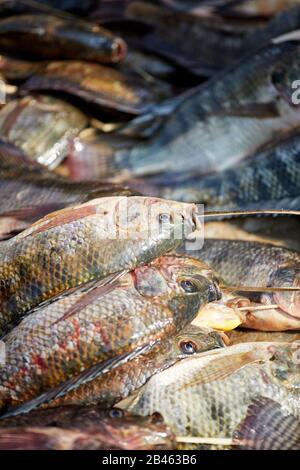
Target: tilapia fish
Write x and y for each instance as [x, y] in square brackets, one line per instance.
[123, 380]
[81, 336]
[49, 36]
[87, 242]
[34, 192]
[87, 427]
[102, 86]
[268, 179]
[43, 127]
[200, 135]
[242, 263]
[208, 395]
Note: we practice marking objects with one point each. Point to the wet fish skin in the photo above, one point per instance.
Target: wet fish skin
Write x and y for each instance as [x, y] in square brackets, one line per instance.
[239, 101]
[48, 36]
[85, 328]
[267, 179]
[103, 86]
[43, 127]
[243, 263]
[35, 191]
[122, 381]
[208, 395]
[109, 235]
[88, 427]
[267, 427]
[215, 49]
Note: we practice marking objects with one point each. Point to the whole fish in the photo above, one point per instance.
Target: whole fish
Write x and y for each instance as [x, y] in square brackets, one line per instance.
[43, 127]
[87, 242]
[49, 36]
[88, 427]
[267, 179]
[91, 331]
[102, 86]
[200, 134]
[34, 191]
[242, 263]
[121, 381]
[208, 396]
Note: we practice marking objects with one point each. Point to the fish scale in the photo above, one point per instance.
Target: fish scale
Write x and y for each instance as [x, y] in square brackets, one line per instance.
[60, 340]
[267, 179]
[44, 260]
[196, 399]
[242, 101]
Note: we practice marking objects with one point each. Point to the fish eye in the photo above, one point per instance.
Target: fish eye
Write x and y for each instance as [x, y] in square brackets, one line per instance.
[188, 286]
[156, 418]
[116, 413]
[188, 347]
[164, 218]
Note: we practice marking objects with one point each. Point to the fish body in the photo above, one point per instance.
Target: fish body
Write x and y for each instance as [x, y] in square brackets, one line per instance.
[87, 427]
[122, 381]
[49, 36]
[108, 235]
[245, 336]
[200, 134]
[42, 127]
[99, 85]
[270, 178]
[208, 395]
[68, 337]
[34, 191]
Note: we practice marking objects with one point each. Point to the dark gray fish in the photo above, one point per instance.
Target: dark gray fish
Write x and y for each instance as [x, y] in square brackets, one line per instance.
[49, 36]
[269, 179]
[201, 133]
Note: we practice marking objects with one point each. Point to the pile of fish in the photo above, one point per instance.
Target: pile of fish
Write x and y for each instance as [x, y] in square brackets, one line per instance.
[129, 317]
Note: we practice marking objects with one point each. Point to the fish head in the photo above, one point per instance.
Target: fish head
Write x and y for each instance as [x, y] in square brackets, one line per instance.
[125, 431]
[288, 302]
[190, 285]
[285, 363]
[193, 340]
[155, 219]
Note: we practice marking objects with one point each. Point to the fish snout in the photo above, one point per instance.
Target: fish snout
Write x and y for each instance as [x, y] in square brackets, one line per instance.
[288, 302]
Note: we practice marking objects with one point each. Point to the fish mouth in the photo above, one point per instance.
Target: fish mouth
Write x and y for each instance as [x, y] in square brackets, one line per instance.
[118, 50]
[197, 227]
[214, 292]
